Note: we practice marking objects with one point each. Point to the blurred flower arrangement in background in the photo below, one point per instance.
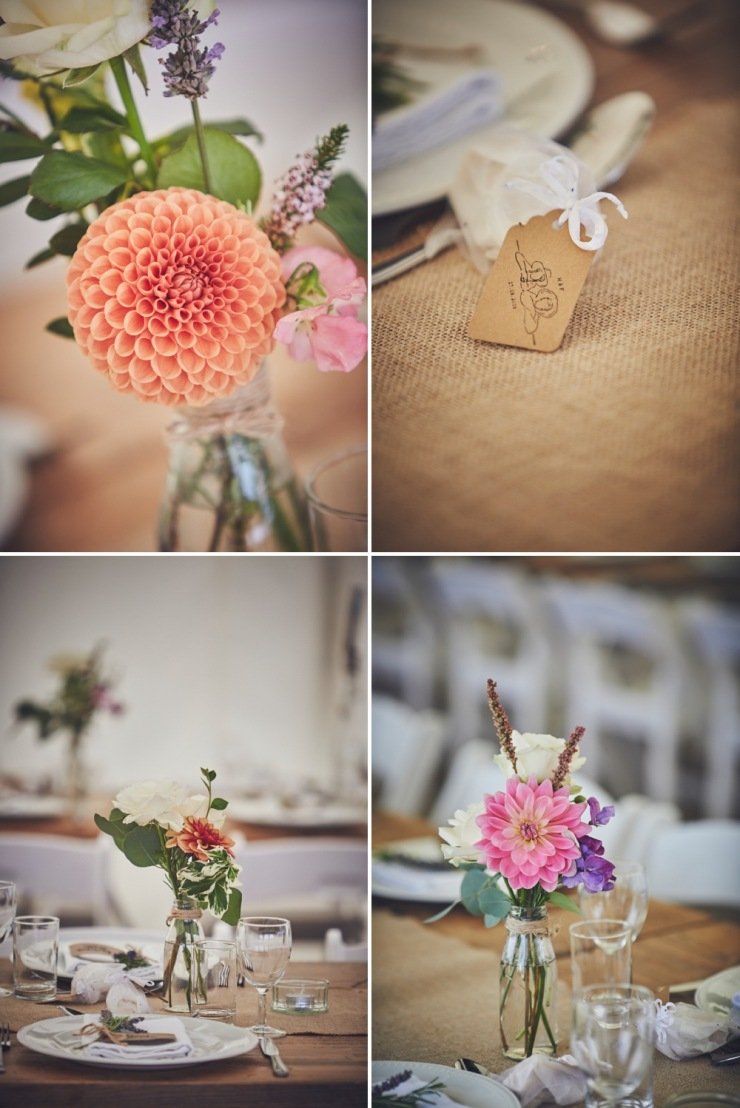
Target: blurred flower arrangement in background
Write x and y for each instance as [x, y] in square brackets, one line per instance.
[176, 290]
[84, 691]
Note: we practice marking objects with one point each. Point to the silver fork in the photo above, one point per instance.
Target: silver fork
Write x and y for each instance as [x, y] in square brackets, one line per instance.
[4, 1043]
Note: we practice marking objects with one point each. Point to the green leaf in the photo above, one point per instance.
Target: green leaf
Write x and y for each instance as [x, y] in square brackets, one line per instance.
[560, 900]
[133, 57]
[219, 803]
[472, 883]
[13, 190]
[65, 240]
[42, 256]
[443, 913]
[493, 902]
[74, 77]
[61, 326]
[230, 126]
[235, 172]
[116, 815]
[15, 147]
[346, 213]
[142, 846]
[80, 121]
[234, 910]
[117, 831]
[37, 209]
[491, 921]
[70, 181]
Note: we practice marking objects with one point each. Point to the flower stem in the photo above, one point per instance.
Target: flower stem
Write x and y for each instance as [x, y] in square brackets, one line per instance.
[118, 69]
[200, 135]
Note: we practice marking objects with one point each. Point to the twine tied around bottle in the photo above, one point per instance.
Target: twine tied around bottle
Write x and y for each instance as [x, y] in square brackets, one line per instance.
[531, 926]
[248, 411]
[184, 913]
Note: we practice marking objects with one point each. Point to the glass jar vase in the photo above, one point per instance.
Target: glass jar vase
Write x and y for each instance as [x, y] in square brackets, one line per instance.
[527, 986]
[183, 931]
[230, 486]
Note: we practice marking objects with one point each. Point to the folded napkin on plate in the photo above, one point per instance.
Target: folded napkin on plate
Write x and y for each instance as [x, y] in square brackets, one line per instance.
[412, 1084]
[463, 101]
[395, 875]
[685, 1031]
[544, 1081]
[182, 1047]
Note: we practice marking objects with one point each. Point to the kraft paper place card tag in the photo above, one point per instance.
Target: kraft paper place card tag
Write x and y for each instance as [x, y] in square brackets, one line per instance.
[531, 292]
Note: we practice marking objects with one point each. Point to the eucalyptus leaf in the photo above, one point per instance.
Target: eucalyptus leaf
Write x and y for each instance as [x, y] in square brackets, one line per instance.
[493, 902]
[10, 191]
[345, 213]
[61, 326]
[443, 913]
[491, 921]
[235, 172]
[15, 147]
[471, 887]
[66, 239]
[70, 180]
[560, 900]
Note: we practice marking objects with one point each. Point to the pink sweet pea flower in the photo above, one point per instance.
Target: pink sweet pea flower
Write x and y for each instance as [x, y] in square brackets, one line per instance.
[327, 332]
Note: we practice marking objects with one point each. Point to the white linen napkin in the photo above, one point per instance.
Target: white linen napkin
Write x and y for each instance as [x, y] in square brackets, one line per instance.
[685, 1031]
[435, 1099]
[181, 1048]
[545, 1081]
[462, 100]
[410, 879]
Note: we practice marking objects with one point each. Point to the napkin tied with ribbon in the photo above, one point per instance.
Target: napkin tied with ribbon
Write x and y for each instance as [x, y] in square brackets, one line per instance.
[181, 1047]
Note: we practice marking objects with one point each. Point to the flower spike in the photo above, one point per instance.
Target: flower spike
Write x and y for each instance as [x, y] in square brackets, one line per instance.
[569, 752]
[501, 723]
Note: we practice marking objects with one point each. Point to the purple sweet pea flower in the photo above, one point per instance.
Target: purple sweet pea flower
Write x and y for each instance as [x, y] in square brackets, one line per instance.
[592, 869]
[599, 816]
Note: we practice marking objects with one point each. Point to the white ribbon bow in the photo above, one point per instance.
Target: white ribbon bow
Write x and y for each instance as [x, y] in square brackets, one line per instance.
[560, 190]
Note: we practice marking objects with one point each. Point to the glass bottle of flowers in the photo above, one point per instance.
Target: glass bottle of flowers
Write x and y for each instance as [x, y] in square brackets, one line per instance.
[519, 848]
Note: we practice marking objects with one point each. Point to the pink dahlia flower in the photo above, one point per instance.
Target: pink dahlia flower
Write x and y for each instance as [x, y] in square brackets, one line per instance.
[328, 331]
[531, 833]
[175, 295]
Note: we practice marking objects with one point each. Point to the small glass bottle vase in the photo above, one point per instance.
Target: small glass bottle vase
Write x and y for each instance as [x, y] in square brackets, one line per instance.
[230, 487]
[183, 931]
[527, 986]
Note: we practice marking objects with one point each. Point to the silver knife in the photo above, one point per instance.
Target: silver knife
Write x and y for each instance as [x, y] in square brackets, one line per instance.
[270, 1050]
[607, 140]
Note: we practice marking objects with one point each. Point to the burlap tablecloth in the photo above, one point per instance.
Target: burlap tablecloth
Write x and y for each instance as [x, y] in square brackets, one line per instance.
[624, 439]
[436, 999]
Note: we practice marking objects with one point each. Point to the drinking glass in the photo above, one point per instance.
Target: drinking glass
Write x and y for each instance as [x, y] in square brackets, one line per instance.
[612, 1040]
[35, 950]
[7, 915]
[264, 944]
[213, 980]
[628, 900]
[600, 953]
[337, 502]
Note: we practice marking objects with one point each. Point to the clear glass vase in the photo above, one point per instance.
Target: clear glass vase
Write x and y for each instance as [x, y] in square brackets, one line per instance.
[183, 931]
[230, 486]
[527, 986]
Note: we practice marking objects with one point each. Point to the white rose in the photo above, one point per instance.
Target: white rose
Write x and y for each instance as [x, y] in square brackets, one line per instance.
[44, 36]
[536, 756]
[462, 834]
[166, 803]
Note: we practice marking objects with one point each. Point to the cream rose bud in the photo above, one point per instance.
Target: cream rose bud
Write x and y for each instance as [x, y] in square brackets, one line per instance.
[461, 835]
[166, 803]
[44, 36]
[536, 756]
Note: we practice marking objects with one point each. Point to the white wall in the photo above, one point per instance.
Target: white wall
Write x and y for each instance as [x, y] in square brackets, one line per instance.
[226, 662]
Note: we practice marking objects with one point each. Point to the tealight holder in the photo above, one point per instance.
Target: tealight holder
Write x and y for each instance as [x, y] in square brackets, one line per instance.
[300, 996]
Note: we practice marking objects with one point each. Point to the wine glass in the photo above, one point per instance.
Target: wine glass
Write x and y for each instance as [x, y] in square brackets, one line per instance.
[264, 944]
[628, 900]
[7, 915]
[612, 1041]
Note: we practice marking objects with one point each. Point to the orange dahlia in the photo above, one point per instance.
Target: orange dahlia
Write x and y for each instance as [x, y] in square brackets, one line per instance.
[197, 837]
[175, 296]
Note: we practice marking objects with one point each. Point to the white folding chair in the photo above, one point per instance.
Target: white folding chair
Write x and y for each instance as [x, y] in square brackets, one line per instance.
[406, 750]
[593, 619]
[696, 863]
[337, 950]
[404, 643]
[714, 633]
[494, 629]
[472, 773]
[55, 875]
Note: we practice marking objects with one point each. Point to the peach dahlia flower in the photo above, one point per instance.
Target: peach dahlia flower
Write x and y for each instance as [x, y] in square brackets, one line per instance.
[175, 296]
[197, 837]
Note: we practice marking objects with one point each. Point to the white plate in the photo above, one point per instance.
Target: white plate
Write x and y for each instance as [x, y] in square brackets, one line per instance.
[531, 49]
[213, 1041]
[716, 993]
[271, 813]
[397, 881]
[150, 943]
[22, 806]
[468, 1088]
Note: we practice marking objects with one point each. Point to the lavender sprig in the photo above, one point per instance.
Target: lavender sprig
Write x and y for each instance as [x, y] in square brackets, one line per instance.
[501, 723]
[302, 191]
[189, 68]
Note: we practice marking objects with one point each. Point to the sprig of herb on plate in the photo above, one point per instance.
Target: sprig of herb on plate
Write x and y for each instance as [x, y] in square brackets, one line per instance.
[383, 1092]
[131, 959]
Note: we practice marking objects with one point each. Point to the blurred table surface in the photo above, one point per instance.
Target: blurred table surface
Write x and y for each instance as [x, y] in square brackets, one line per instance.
[678, 944]
[594, 447]
[100, 487]
[328, 1062]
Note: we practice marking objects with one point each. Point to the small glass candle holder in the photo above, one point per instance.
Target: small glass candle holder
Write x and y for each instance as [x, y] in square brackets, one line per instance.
[300, 996]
